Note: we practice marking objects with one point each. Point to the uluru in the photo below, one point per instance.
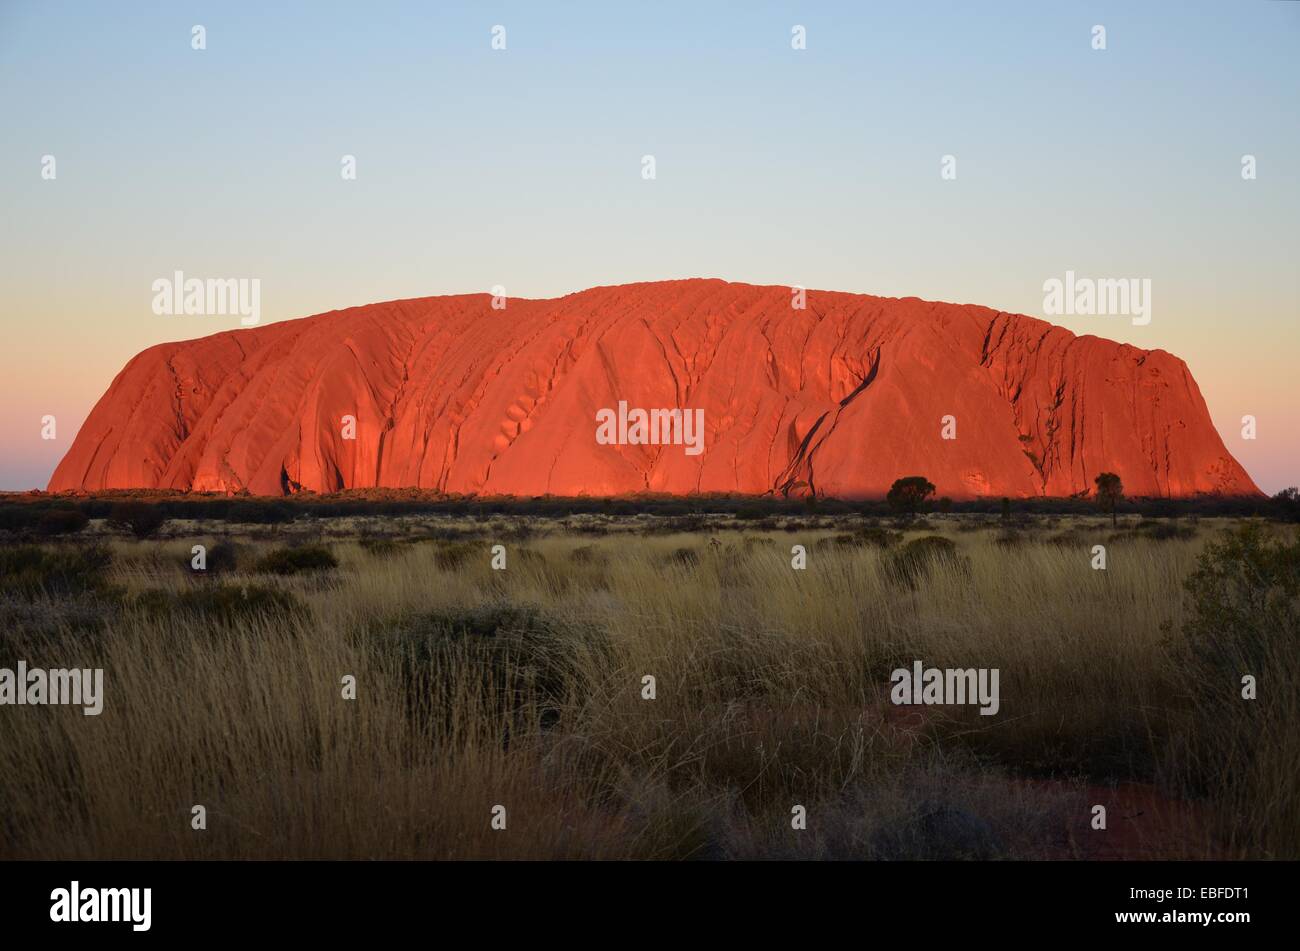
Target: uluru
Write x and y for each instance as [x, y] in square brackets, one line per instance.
[470, 395]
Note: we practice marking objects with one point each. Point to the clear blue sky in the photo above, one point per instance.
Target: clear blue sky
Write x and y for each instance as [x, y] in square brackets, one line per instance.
[522, 168]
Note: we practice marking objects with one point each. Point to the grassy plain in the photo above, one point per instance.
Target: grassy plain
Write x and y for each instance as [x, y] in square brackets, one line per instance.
[524, 687]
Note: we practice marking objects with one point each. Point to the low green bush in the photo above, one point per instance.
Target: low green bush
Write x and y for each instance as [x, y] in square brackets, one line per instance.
[293, 561]
[139, 518]
[61, 522]
[913, 562]
[31, 569]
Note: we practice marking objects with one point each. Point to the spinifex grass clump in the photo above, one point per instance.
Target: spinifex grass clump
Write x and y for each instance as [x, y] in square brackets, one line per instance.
[523, 664]
[223, 558]
[683, 557]
[379, 546]
[870, 536]
[292, 561]
[31, 569]
[452, 555]
[912, 563]
[587, 555]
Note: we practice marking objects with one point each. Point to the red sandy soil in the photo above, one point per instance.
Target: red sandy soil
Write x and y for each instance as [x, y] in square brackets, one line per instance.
[1142, 823]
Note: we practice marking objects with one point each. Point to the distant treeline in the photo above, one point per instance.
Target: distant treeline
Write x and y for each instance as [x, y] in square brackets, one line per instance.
[58, 513]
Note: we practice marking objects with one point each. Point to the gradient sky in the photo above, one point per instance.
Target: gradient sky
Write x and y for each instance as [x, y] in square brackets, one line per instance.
[522, 168]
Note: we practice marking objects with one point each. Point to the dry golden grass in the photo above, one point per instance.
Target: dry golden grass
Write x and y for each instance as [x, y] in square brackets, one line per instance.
[771, 692]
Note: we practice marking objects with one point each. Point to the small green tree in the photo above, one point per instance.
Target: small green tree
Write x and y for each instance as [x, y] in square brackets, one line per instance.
[1110, 490]
[908, 495]
[139, 518]
[1286, 505]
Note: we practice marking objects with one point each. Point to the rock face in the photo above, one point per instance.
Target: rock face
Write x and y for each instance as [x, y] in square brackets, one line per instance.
[840, 399]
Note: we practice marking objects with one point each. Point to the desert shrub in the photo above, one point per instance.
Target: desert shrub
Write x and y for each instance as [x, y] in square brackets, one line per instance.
[61, 522]
[444, 533]
[455, 555]
[928, 546]
[868, 537]
[380, 547]
[18, 518]
[684, 524]
[843, 540]
[224, 603]
[1164, 530]
[913, 562]
[224, 557]
[666, 508]
[1245, 620]
[587, 555]
[1244, 592]
[30, 569]
[874, 537]
[618, 508]
[684, 557]
[1009, 538]
[1069, 538]
[260, 513]
[518, 662]
[292, 561]
[1285, 506]
[139, 518]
